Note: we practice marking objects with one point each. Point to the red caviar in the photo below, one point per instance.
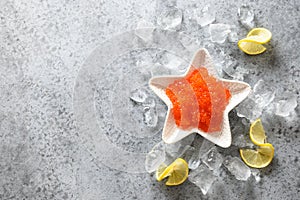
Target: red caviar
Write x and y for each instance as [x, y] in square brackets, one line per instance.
[199, 100]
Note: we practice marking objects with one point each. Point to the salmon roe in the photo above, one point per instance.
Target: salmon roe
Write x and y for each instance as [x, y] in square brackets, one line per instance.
[199, 100]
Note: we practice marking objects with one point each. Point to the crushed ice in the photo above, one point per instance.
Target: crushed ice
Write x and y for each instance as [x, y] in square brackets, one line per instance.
[170, 18]
[144, 30]
[246, 16]
[219, 32]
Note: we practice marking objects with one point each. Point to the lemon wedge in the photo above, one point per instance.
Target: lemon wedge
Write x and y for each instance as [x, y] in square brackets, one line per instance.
[260, 35]
[260, 157]
[251, 47]
[177, 172]
[257, 133]
[253, 43]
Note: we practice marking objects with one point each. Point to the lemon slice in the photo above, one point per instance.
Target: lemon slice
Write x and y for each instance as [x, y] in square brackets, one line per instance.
[160, 170]
[260, 35]
[257, 133]
[251, 47]
[259, 158]
[177, 172]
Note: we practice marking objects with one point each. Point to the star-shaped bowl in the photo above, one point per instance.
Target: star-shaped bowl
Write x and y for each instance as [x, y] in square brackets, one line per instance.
[239, 91]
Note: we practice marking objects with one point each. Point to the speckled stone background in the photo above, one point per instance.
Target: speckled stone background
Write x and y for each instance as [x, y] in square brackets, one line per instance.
[43, 44]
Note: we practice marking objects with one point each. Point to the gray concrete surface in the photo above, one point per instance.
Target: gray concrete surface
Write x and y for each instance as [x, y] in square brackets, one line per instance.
[42, 48]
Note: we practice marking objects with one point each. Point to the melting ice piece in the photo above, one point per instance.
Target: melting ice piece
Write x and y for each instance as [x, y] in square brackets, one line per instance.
[237, 168]
[144, 30]
[170, 18]
[219, 32]
[213, 159]
[139, 95]
[150, 116]
[246, 17]
[202, 177]
[155, 157]
[206, 16]
[286, 106]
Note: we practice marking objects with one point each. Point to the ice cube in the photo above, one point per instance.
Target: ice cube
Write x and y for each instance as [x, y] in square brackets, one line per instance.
[256, 174]
[213, 159]
[233, 37]
[170, 18]
[177, 149]
[191, 155]
[240, 73]
[191, 44]
[202, 177]
[205, 16]
[237, 168]
[220, 60]
[246, 16]
[155, 157]
[144, 30]
[149, 102]
[286, 106]
[194, 159]
[263, 93]
[145, 63]
[171, 61]
[229, 66]
[150, 116]
[188, 152]
[242, 140]
[138, 95]
[173, 152]
[205, 147]
[249, 109]
[219, 32]
[240, 134]
[159, 70]
[236, 73]
[252, 108]
[194, 162]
